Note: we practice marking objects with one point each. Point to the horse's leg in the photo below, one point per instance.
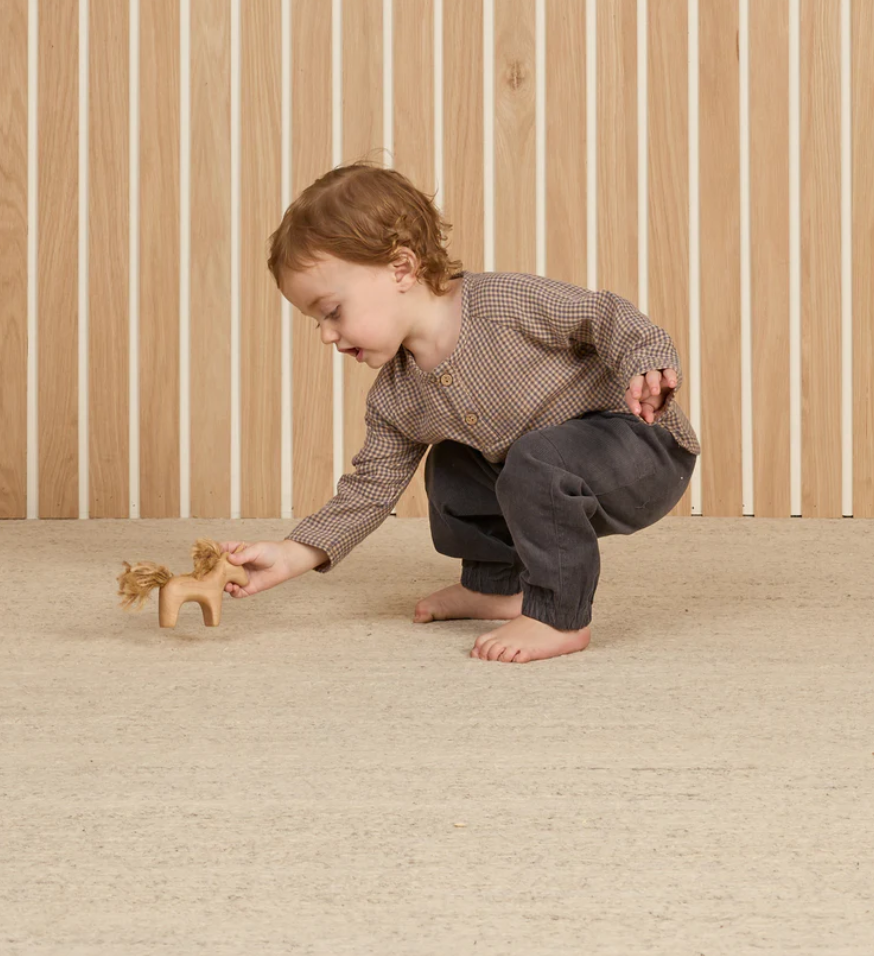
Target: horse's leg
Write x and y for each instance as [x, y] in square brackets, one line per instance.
[211, 605]
[169, 603]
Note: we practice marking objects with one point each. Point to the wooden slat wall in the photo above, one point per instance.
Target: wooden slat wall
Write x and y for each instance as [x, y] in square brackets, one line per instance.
[13, 260]
[617, 148]
[820, 259]
[719, 153]
[566, 143]
[463, 194]
[260, 313]
[58, 262]
[210, 277]
[312, 364]
[159, 259]
[862, 80]
[668, 186]
[462, 201]
[769, 255]
[109, 258]
[514, 128]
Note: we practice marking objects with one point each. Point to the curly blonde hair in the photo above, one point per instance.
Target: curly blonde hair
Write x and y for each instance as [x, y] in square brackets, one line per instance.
[364, 213]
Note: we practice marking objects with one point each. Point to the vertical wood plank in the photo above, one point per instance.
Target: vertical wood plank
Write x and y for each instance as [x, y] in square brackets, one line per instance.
[566, 158]
[362, 136]
[159, 259]
[769, 255]
[668, 179]
[617, 148]
[13, 261]
[862, 85]
[58, 260]
[463, 194]
[261, 315]
[312, 371]
[515, 143]
[722, 484]
[820, 259]
[462, 197]
[210, 278]
[108, 259]
[413, 67]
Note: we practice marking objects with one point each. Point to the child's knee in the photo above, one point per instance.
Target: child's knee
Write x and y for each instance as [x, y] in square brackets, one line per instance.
[527, 459]
[444, 466]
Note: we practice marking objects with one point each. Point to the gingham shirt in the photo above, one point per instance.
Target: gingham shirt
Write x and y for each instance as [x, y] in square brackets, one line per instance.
[532, 352]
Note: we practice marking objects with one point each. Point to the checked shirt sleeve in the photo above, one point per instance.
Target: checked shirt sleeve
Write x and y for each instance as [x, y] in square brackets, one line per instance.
[383, 468]
[624, 338]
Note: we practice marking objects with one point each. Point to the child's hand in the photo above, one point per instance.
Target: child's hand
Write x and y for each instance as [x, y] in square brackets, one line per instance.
[646, 395]
[265, 562]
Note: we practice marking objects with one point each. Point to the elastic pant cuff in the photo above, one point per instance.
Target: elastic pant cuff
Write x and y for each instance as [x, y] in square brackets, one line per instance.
[539, 604]
[490, 578]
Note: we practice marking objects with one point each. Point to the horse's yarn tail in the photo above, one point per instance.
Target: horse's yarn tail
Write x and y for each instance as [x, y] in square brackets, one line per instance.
[136, 583]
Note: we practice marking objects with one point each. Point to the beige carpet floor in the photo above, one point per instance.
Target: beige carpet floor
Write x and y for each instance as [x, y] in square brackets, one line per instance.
[318, 775]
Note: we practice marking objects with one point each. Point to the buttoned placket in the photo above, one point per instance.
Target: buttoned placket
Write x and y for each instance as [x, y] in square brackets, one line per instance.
[470, 418]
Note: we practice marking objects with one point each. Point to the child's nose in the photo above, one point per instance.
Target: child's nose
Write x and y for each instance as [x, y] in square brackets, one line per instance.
[329, 335]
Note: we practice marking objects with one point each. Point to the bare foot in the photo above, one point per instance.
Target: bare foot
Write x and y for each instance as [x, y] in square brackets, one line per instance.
[457, 602]
[525, 639]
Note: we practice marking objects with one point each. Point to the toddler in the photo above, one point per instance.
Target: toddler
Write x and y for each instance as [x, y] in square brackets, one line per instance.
[546, 411]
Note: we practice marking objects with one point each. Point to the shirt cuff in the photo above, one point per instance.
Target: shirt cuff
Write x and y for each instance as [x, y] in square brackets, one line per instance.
[334, 552]
[639, 363]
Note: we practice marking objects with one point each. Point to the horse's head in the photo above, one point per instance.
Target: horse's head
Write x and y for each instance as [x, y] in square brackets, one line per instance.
[234, 573]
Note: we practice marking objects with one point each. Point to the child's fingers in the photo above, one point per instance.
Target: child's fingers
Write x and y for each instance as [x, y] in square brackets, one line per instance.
[238, 552]
[654, 381]
[635, 386]
[671, 377]
[632, 394]
[232, 546]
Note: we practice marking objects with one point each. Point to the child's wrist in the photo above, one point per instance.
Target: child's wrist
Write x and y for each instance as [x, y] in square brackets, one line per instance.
[302, 557]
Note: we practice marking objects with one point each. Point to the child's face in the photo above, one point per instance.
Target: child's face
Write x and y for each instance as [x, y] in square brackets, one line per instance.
[357, 308]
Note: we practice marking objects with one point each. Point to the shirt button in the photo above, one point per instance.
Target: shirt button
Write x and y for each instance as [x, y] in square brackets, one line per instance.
[471, 419]
[446, 378]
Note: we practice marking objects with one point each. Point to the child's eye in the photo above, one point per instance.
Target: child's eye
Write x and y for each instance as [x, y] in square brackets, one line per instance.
[331, 315]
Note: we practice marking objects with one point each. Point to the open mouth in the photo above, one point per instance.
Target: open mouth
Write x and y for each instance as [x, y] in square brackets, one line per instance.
[357, 353]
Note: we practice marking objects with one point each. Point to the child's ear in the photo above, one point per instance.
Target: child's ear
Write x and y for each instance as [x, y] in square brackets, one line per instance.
[406, 266]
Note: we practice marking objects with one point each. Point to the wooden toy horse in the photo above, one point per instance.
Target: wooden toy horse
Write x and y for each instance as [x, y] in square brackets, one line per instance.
[205, 584]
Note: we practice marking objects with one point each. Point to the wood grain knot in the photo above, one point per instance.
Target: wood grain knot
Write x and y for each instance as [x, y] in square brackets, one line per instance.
[516, 75]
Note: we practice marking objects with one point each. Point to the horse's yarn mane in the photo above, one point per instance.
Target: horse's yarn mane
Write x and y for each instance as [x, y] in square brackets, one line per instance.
[138, 581]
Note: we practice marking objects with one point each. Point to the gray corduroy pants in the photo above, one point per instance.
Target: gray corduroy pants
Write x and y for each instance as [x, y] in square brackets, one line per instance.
[531, 523]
